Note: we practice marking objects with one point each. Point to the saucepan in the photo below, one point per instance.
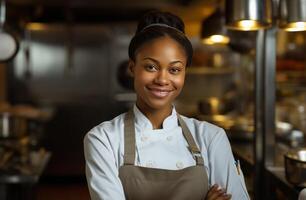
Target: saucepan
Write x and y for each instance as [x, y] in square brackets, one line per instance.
[295, 166]
[9, 44]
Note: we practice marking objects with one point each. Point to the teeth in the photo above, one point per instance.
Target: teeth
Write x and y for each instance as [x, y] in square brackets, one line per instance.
[163, 93]
[160, 93]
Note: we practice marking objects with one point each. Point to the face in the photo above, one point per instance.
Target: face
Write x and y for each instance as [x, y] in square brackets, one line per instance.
[159, 73]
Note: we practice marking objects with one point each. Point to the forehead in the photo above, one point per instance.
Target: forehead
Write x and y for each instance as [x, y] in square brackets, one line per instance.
[162, 46]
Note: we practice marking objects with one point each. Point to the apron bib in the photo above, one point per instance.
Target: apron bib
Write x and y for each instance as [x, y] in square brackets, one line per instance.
[142, 183]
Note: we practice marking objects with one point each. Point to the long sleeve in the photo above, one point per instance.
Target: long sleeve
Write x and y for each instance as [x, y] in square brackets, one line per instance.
[224, 171]
[104, 154]
[102, 169]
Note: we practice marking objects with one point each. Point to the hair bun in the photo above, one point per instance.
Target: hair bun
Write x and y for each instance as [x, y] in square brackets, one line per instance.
[159, 17]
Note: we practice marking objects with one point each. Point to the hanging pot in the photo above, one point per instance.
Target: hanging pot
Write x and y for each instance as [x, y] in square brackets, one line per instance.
[242, 41]
[9, 44]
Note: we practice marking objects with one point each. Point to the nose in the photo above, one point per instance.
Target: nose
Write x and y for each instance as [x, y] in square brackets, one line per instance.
[162, 78]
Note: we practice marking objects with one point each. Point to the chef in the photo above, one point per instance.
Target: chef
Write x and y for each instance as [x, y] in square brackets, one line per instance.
[151, 151]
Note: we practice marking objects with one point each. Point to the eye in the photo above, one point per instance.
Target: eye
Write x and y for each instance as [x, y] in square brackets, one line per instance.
[175, 70]
[151, 68]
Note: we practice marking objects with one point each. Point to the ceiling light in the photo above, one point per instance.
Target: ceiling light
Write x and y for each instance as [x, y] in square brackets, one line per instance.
[216, 39]
[248, 15]
[213, 30]
[292, 15]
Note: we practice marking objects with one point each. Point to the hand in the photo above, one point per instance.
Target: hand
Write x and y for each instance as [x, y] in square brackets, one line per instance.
[217, 193]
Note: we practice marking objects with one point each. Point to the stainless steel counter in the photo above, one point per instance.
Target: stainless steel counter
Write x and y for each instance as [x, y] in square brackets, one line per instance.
[274, 175]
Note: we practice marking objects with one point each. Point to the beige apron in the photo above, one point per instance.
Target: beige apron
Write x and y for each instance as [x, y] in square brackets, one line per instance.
[142, 183]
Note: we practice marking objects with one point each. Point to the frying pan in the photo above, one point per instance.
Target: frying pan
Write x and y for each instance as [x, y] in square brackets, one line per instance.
[9, 44]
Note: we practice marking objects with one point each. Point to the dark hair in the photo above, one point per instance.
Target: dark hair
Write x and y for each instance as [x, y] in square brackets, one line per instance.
[170, 25]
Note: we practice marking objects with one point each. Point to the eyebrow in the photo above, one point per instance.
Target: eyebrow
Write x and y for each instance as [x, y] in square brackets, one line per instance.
[156, 61]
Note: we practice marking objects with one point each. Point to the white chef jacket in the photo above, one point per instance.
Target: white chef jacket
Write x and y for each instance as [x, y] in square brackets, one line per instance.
[164, 148]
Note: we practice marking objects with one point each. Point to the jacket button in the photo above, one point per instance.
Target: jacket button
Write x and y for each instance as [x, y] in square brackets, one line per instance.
[150, 163]
[144, 138]
[179, 165]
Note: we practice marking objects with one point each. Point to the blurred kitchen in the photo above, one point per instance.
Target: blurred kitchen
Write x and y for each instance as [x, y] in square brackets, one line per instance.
[63, 70]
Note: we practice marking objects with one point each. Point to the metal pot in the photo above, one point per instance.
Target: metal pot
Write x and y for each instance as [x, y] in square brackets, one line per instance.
[295, 166]
[242, 41]
[9, 44]
[12, 126]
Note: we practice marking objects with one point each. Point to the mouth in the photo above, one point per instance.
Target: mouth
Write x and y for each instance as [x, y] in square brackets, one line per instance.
[159, 93]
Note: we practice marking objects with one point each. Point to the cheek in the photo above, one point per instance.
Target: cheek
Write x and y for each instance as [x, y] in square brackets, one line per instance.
[140, 79]
[179, 82]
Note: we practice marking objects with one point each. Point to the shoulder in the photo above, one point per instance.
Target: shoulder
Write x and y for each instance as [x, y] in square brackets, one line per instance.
[107, 130]
[202, 127]
[204, 132]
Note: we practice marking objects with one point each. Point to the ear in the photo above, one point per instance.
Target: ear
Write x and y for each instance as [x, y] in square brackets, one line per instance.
[131, 67]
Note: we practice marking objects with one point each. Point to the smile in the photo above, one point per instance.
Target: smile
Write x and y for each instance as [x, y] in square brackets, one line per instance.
[159, 93]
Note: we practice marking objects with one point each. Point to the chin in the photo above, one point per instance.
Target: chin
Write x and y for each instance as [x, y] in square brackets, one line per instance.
[153, 103]
[159, 104]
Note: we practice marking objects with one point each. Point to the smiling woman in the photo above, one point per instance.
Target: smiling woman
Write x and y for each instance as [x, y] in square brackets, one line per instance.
[159, 74]
[152, 152]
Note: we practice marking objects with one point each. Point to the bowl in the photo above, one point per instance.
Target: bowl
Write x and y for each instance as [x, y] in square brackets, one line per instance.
[295, 166]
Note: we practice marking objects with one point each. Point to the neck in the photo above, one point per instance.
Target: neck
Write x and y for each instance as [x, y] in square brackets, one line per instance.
[156, 116]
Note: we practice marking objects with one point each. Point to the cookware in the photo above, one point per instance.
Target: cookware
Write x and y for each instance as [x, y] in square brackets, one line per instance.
[242, 41]
[12, 126]
[8, 42]
[295, 166]
[20, 120]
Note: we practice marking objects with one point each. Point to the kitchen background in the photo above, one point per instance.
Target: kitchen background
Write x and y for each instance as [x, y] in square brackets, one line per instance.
[71, 66]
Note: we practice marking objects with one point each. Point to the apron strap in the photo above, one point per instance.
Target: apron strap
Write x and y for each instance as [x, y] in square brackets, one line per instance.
[129, 138]
[196, 153]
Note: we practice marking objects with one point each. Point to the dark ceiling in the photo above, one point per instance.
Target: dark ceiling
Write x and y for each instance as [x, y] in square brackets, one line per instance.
[92, 11]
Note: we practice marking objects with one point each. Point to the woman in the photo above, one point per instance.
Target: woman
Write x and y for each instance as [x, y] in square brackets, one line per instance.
[152, 152]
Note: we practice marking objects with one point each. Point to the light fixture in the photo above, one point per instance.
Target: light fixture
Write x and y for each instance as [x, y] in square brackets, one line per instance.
[248, 15]
[213, 30]
[292, 15]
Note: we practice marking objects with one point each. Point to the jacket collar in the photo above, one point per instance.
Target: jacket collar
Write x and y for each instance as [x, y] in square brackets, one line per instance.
[142, 122]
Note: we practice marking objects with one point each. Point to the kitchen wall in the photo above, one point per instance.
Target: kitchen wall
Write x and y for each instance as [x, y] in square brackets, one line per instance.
[69, 63]
[72, 70]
